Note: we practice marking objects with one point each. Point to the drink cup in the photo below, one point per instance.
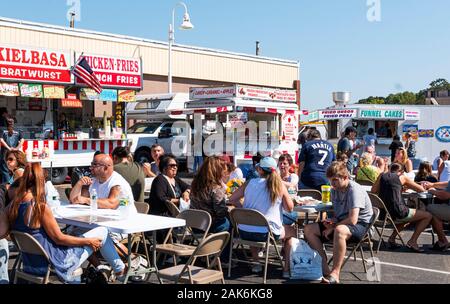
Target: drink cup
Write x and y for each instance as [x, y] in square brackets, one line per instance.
[326, 194]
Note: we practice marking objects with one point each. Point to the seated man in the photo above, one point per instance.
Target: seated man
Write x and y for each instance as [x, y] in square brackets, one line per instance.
[440, 212]
[131, 171]
[389, 187]
[110, 187]
[152, 169]
[353, 212]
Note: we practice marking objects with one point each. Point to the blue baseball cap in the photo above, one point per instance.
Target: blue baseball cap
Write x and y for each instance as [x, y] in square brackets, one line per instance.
[268, 164]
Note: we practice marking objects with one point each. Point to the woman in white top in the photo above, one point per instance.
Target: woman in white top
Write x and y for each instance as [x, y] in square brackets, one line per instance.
[444, 171]
[267, 195]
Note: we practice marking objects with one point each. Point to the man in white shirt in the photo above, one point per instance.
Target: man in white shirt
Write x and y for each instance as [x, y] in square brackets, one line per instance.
[110, 185]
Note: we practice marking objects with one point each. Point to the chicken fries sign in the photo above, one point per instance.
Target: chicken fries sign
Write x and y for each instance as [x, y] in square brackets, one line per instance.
[35, 65]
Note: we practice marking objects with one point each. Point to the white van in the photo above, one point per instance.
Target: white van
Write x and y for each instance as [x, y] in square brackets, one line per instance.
[151, 123]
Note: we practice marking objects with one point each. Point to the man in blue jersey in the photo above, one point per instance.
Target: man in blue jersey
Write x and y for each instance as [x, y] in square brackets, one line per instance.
[315, 158]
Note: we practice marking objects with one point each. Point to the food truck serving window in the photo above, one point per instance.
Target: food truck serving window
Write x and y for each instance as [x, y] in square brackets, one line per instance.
[386, 129]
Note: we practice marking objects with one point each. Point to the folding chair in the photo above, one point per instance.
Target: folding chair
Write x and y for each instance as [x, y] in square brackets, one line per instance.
[190, 274]
[27, 244]
[195, 219]
[253, 218]
[378, 202]
[173, 209]
[138, 238]
[367, 239]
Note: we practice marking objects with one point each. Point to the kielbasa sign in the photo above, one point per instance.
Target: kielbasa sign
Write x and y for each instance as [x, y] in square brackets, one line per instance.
[35, 65]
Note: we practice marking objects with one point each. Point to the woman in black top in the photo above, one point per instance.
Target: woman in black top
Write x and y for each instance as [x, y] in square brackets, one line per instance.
[389, 187]
[425, 173]
[395, 145]
[167, 187]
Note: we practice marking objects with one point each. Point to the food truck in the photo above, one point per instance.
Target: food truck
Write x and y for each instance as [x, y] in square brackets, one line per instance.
[429, 125]
[240, 121]
[62, 121]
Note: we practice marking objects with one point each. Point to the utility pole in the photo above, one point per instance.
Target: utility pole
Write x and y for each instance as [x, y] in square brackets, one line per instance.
[257, 48]
[72, 20]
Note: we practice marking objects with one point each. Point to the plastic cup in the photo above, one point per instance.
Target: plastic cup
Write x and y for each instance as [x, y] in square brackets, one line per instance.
[326, 194]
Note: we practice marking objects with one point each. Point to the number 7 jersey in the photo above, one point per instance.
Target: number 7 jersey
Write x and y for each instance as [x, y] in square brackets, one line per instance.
[317, 156]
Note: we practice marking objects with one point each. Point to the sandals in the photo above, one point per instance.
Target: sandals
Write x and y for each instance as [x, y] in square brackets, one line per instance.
[437, 247]
[330, 280]
[414, 248]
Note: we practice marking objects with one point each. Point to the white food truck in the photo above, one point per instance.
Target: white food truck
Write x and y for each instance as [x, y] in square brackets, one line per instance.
[429, 124]
[240, 121]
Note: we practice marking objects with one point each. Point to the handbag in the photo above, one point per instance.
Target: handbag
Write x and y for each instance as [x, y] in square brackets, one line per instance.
[305, 263]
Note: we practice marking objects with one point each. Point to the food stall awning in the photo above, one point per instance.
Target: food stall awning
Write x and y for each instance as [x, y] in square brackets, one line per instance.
[235, 104]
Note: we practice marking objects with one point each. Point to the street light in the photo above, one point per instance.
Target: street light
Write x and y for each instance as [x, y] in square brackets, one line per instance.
[186, 25]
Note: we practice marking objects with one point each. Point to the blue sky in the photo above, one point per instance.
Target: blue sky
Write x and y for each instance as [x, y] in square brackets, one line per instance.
[338, 48]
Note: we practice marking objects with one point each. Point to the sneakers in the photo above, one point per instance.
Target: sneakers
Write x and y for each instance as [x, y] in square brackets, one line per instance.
[138, 263]
[257, 268]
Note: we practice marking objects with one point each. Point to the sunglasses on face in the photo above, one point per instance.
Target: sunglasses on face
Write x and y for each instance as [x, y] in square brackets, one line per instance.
[11, 159]
[173, 166]
[98, 165]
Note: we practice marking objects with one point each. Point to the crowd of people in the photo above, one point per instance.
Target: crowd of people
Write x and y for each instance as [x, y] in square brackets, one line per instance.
[269, 188]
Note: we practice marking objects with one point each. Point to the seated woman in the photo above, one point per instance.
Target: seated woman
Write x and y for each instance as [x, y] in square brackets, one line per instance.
[440, 212]
[167, 187]
[29, 213]
[209, 193]
[389, 188]
[425, 173]
[15, 161]
[290, 181]
[367, 172]
[267, 195]
[401, 157]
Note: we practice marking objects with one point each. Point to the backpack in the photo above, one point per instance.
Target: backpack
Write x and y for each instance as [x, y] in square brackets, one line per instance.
[305, 263]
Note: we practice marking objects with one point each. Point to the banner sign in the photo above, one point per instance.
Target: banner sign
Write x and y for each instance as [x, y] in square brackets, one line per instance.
[337, 114]
[266, 94]
[9, 89]
[381, 114]
[205, 93]
[115, 72]
[88, 94]
[35, 65]
[127, 95]
[426, 133]
[289, 126]
[443, 134]
[108, 95]
[412, 115]
[71, 103]
[54, 92]
[31, 90]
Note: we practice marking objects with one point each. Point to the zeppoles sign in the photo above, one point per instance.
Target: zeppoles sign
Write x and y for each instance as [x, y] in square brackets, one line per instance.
[115, 72]
[35, 65]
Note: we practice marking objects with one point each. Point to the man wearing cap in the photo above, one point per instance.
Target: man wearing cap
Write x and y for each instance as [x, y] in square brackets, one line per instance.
[345, 146]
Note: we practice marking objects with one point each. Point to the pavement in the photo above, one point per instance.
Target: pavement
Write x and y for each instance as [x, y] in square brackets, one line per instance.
[400, 266]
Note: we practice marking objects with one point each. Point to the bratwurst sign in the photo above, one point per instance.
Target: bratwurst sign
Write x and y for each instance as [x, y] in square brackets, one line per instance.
[35, 65]
[115, 72]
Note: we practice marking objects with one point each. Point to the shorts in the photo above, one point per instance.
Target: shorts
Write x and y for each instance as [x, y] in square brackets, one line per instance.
[255, 236]
[408, 218]
[358, 231]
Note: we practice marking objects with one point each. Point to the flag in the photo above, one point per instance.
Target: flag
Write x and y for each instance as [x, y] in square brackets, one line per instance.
[83, 71]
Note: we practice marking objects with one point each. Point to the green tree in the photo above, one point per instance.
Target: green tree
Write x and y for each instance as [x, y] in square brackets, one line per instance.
[440, 84]
[373, 100]
[402, 98]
